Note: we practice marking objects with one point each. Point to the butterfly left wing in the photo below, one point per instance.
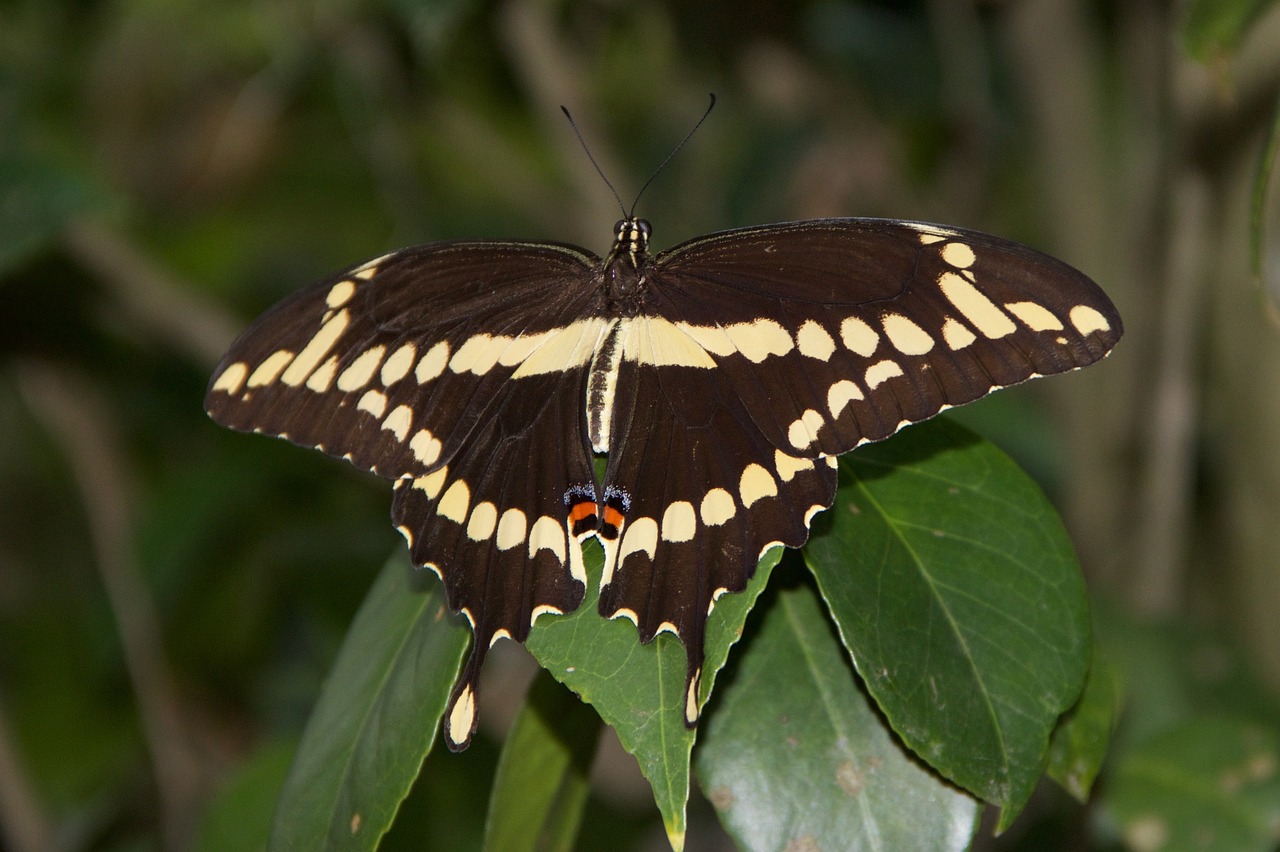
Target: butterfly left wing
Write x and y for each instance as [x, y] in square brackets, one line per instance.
[446, 368]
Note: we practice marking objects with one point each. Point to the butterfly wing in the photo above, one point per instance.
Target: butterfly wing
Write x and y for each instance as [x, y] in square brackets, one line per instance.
[764, 352]
[457, 370]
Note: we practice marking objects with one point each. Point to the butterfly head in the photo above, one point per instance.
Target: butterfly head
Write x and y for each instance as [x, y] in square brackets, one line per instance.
[626, 265]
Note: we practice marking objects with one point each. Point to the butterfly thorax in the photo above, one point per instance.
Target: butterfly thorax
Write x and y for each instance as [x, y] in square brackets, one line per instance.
[626, 267]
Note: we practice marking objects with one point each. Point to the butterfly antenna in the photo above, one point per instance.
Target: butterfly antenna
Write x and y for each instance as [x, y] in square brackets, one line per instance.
[674, 151]
[599, 171]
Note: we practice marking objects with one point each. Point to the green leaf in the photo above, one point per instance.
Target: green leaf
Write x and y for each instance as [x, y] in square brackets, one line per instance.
[376, 718]
[796, 757]
[239, 815]
[954, 587]
[541, 786]
[1211, 783]
[1079, 744]
[1214, 27]
[639, 689]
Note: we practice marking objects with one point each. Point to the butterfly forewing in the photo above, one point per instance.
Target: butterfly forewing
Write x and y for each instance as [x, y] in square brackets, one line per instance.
[721, 377]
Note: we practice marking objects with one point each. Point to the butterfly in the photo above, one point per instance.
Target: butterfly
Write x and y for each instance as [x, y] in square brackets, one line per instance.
[719, 380]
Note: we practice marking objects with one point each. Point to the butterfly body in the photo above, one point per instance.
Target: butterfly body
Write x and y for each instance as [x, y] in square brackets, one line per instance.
[721, 378]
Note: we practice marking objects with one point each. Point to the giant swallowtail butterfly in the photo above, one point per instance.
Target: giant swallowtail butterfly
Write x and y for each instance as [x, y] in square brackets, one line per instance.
[721, 378]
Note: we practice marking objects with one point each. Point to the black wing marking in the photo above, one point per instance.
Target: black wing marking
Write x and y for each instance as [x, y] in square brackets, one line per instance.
[451, 369]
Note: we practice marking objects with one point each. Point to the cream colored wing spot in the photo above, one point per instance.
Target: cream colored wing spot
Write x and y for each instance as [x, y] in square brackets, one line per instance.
[544, 609]
[812, 512]
[547, 534]
[881, 371]
[641, 536]
[483, 521]
[804, 431]
[374, 402]
[691, 698]
[859, 337]
[340, 294]
[980, 311]
[370, 269]
[269, 369]
[679, 522]
[956, 334]
[1034, 316]
[511, 529]
[316, 349]
[232, 378]
[717, 507]
[463, 714]
[756, 484]
[759, 339]
[813, 341]
[455, 502]
[478, 354]
[432, 482]
[398, 365]
[840, 394]
[907, 337]
[564, 348]
[711, 338]
[433, 363]
[1085, 319]
[320, 380]
[959, 255]
[788, 466]
[667, 627]
[628, 614]
[500, 633]
[399, 421]
[361, 370]
[425, 446]
[407, 533]
[660, 343]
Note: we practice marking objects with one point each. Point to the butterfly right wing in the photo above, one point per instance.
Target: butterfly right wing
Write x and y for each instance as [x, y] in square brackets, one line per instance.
[457, 370]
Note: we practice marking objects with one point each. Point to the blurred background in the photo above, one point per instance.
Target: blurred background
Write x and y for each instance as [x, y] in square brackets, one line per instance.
[172, 594]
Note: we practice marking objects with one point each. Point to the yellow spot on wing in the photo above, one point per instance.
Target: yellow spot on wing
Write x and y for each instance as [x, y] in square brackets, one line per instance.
[484, 518]
[976, 307]
[454, 503]
[270, 368]
[547, 534]
[361, 370]
[398, 365]
[956, 334]
[660, 343]
[425, 447]
[958, 255]
[232, 378]
[881, 371]
[399, 421]
[813, 341]
[759, 339]
[859, 337]
[840, 394]
[374, 402]
[1086, 320]
[756, 484]
[433, 363]
[340, 294]
[316, 349]
[907, 337]
[717, 507]
[511, 529]
[679, 522]
[1034, 316]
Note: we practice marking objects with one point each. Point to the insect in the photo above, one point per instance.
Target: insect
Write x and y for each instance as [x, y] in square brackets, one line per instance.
[720, 379]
